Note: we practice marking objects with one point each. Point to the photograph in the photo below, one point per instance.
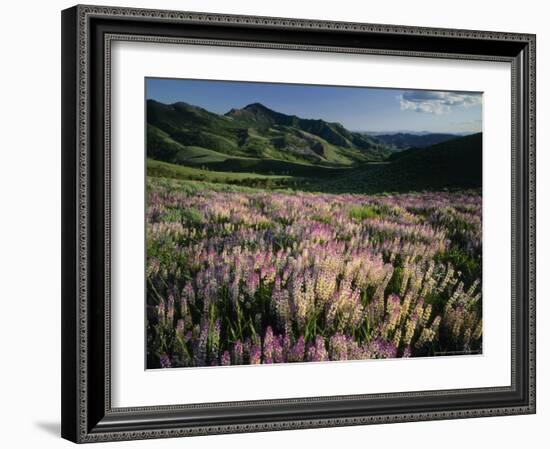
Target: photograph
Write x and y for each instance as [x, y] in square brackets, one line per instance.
[300, 223]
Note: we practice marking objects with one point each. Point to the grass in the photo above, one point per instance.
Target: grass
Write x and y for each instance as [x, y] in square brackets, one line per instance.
[166, 170]
[363, 212]
[451, 165]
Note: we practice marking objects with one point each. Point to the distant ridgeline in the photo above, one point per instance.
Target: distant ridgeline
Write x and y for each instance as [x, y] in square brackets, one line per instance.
[404, 141]
[314, 154]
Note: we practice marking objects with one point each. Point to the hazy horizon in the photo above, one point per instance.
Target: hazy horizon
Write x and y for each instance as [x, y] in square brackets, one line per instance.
[361, 109]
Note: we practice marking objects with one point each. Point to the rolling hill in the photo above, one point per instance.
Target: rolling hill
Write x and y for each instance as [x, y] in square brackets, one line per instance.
[253, 138]
[454, 164]
[256, 146]
[403, 141]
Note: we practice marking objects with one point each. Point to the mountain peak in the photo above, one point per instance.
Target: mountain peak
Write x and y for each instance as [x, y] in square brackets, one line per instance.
[258, 109]
[257, 106]
[259, 113]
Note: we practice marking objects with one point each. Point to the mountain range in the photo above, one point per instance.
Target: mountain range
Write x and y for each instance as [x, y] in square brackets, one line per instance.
[183, 133]
[402, 141]
[314, 153]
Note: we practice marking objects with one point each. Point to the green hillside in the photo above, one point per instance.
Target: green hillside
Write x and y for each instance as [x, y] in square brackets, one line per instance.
[261, 148]
[181, 133]
[159, 169]
[453, 164]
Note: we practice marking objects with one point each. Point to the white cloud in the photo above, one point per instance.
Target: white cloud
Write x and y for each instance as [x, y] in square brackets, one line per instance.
[433, 102]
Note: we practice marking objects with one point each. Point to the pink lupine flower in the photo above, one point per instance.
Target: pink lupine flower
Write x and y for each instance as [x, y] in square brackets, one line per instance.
[287, 345]
[255, 355]
[238, 353]
[318, 352]
[297, 352]
[394, 308]
[278, 354]
[225, 359]
[268, 346]
[188, 336]
[338, 347]
[252, 283]
[188, 294]
[165, 361]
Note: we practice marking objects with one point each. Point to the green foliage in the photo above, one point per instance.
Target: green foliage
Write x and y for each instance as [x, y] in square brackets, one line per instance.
[364, 212]
[458, 257]
[165, 170]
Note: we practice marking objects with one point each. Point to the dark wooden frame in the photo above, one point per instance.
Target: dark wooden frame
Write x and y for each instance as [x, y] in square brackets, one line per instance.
[87, 32]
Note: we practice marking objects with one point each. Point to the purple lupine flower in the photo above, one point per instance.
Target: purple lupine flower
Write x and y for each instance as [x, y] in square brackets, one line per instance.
[394, 310]
[278, 355]
[338, 347]
[269, 274]
[188, 336]
[310, 352]
[287, 346]
[357, 352]
[165, 361]
[202, 342]
[238, 353]
[384, 349]
[317, 351]
[188, 293]
[297, 352]
[255, 355]
[252, 283]
[225, 359]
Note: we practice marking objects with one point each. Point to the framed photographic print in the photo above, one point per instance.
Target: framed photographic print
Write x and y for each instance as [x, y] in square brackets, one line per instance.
[284, 223]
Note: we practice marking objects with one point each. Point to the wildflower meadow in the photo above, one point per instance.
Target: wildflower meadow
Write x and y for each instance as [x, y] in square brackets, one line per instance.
[239, 276]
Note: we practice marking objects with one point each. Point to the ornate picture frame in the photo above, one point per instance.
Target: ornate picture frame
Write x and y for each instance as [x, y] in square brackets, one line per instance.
[87, 35]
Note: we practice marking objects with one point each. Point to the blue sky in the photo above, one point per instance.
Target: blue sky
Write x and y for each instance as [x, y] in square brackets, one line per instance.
[357, 108]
